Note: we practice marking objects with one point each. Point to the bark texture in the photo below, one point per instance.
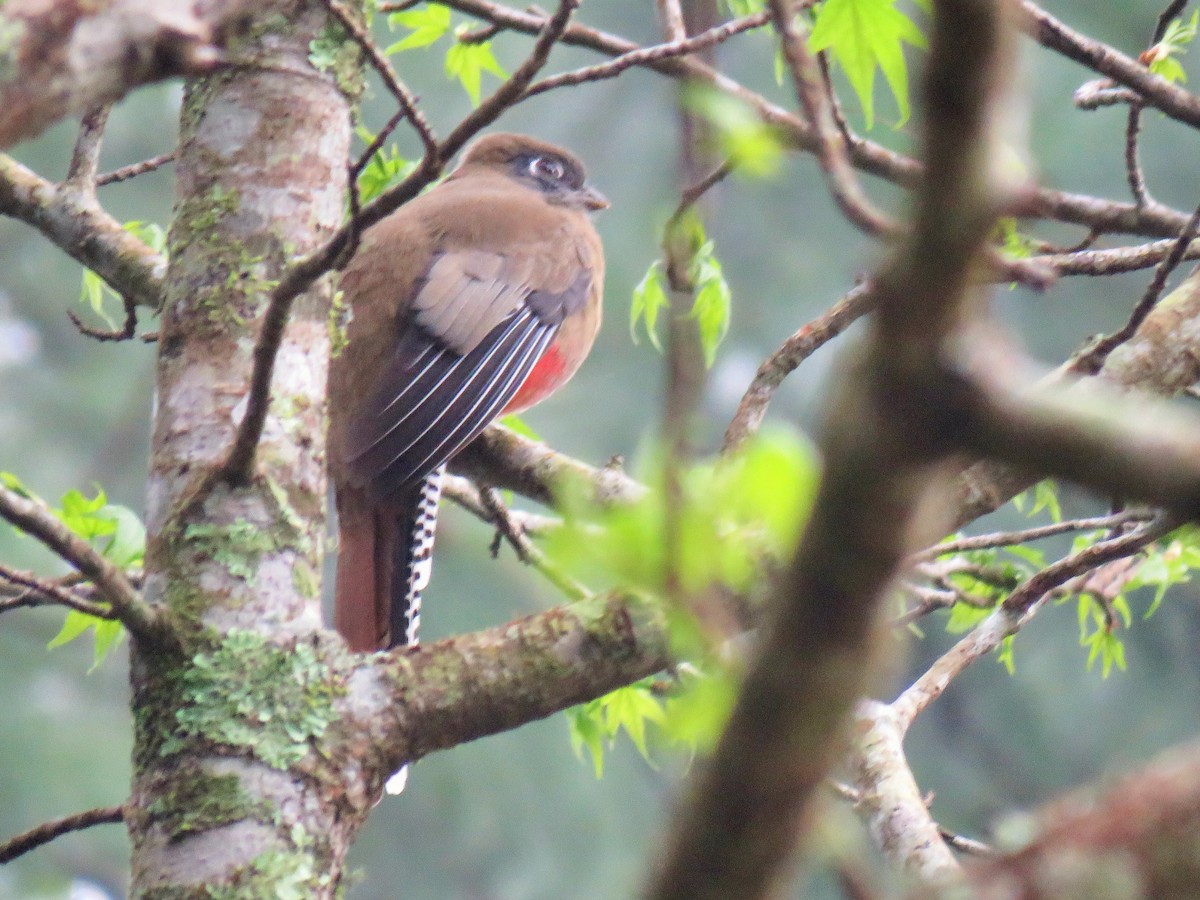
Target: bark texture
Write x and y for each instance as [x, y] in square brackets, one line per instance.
[230, 789]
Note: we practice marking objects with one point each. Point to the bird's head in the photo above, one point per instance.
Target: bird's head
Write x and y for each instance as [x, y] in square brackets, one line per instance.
[552, 171]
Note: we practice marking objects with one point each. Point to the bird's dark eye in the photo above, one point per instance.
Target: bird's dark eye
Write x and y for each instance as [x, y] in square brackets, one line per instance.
[547, 167]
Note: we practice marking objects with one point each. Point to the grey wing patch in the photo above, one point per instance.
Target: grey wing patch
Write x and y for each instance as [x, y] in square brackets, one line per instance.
[554, 306]
[465, 294]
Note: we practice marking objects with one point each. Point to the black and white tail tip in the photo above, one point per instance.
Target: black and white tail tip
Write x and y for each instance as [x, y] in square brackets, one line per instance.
[418, 569]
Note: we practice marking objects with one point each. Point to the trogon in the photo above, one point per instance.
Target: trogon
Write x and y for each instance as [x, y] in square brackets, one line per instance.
[479, 298]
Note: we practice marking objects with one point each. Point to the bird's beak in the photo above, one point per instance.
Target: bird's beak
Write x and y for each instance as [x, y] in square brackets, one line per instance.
[591, 199]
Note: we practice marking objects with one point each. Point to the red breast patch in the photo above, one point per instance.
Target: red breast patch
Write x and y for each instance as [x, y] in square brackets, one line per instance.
[547, 375]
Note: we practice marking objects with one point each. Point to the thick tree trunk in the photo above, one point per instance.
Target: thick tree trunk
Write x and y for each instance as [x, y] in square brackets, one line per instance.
[233, 786]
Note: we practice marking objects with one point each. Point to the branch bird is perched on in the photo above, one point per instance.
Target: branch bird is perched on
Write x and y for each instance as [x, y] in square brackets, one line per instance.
[479, 298]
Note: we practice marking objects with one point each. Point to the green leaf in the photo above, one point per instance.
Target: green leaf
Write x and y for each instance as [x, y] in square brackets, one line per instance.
[1169, 68]
[628, 709]
[13, 483]
[1014, 244]
[649, 298]
[696, 714]
[751, 145]
[107, 632]
[94, 290]
[1162, 56]
[595, 724]
[587, 732]
[1045, 496]
[736, 515]
[427, 24]
[865, 35]
[712, 305]
[75, 624]
[468, 62]
[127, 546]
[964, 617]
[1004, 654]
[515, 423]
[84, 516]
[386, 168]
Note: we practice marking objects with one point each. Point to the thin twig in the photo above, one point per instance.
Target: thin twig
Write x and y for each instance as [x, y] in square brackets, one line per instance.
[73, 221]
[48, 831]
[646, 55]
[37, 591]
[670, 15]
[81, 178]
[1092, 361]
[514, 88]
[132, 171]
[967, 846]
[1088, 559]
[1133, 125]
[797, 348]
[530, 555]
[479, 35]
[691, 195]
[1010, 538]
[352, 176]
[1079, 209]
[85, 158]
[1174, 8]
[32, 517]
[1086, 242]
[404, 97]
[408, 109]
[1171, 99]
[830, 148]
[1019, 607]
[1099, 263]
[835, 105]
[1133, 167]
[464, 493]
[126, 332]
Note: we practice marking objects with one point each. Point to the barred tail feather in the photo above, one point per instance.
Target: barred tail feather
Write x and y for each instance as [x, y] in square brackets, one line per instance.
[414, 560]
[414, 567]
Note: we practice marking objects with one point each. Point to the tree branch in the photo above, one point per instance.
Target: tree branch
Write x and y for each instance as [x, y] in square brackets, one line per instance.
[1105, 215]
[143, 621]
[513, 674]
[889, 800]
[34, 591]
[796, 349]
[1134, 837]
[830, 148]
[1017, 609]
[48, 831]
[644, 56]
[1164, 96]
[72, 55]
[72, 220]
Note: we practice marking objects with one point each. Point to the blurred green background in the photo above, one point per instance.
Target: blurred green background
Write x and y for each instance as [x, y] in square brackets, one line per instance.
[517, 816]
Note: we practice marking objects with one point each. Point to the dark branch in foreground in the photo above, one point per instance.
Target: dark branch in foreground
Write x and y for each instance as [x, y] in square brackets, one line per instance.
[746, 807]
